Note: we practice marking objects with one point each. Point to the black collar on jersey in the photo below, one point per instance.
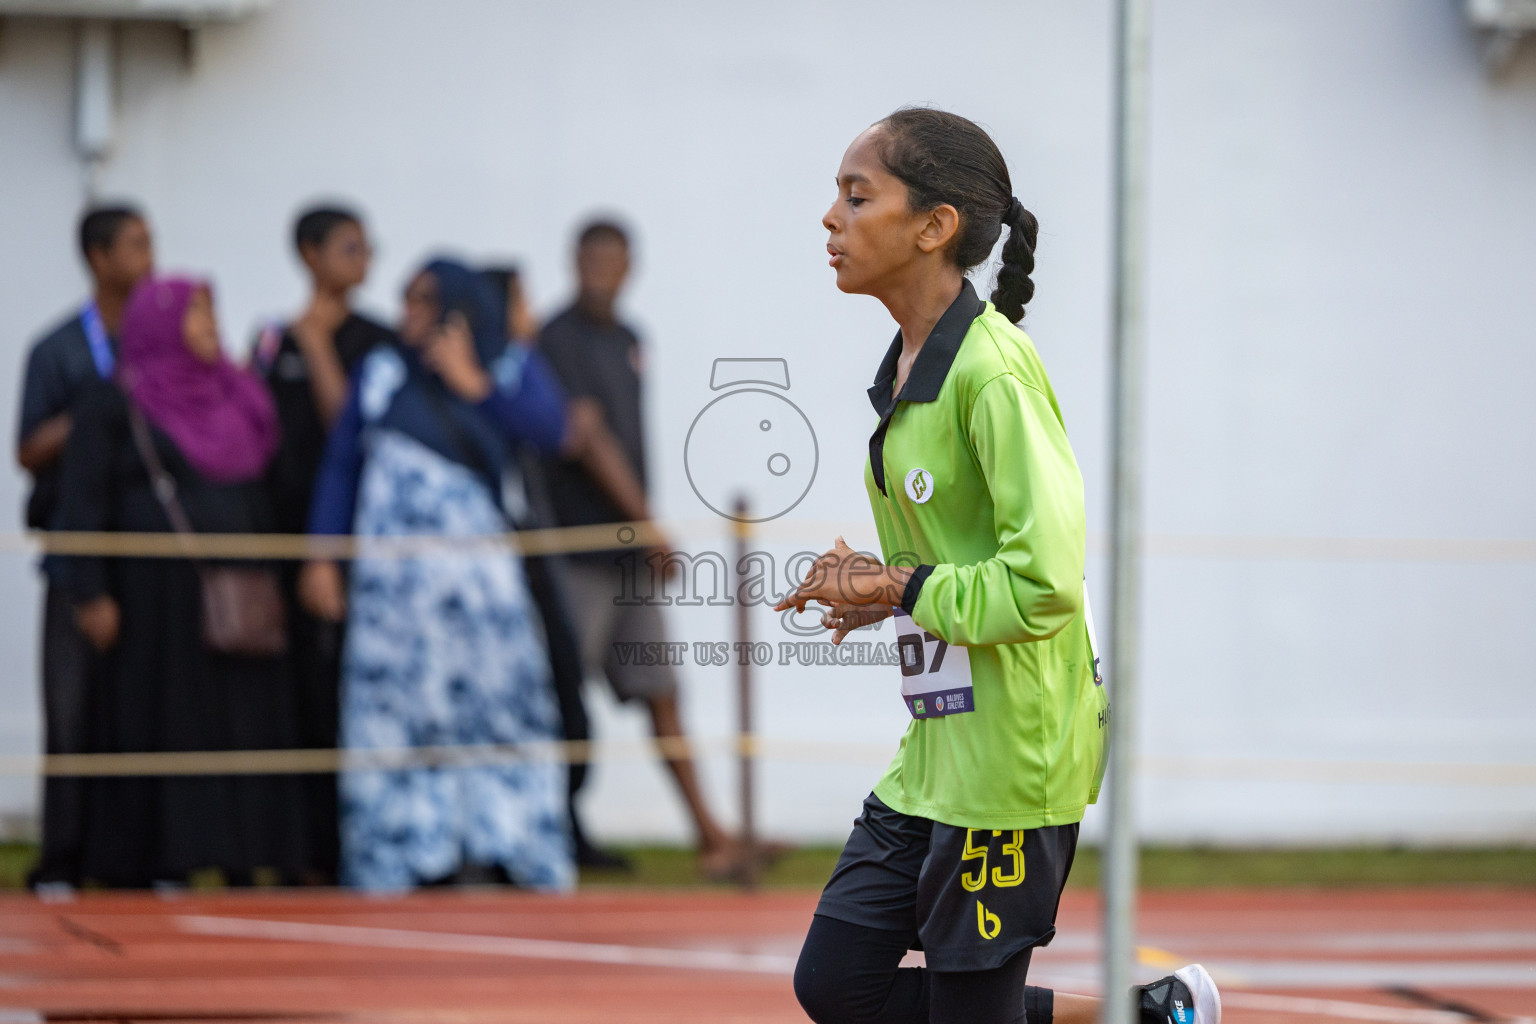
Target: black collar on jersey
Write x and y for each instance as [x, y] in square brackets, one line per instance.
[926, 378]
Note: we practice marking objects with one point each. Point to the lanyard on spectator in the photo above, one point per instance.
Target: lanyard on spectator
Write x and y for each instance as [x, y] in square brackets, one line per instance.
[96, 335]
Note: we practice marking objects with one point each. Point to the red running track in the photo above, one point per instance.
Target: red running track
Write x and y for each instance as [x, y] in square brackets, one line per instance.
[1282, 957]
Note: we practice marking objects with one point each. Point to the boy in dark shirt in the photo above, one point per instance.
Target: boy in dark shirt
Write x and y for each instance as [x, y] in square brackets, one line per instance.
[307, 365]
[597, 359]
[118, 250]
[309, 362]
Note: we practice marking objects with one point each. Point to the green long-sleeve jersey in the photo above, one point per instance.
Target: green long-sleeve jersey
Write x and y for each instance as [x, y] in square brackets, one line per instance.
[971, 478]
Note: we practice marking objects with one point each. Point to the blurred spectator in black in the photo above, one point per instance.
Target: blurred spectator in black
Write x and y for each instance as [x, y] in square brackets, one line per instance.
[598, 361]
[307, 365]
[116, 244]
[213, 428]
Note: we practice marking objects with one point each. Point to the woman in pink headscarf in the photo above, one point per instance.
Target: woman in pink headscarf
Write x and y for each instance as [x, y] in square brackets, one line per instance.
[214, 430]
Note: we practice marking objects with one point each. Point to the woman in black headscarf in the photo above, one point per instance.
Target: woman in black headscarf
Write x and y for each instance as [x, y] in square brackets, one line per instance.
[443, 649]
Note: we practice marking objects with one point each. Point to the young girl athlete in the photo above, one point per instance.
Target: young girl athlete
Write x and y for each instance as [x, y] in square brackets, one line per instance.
[964, 846]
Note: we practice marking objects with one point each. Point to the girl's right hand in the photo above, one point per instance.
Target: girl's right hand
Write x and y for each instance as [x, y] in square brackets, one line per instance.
[322, 591]
[99, 620]
[843, 619]
[451, 355]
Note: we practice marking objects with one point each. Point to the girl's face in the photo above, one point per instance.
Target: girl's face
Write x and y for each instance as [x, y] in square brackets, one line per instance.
[200, 329]
[422, 309]
[872, 235]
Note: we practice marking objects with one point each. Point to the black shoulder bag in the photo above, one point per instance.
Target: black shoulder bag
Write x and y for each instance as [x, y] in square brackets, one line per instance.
[242, 606]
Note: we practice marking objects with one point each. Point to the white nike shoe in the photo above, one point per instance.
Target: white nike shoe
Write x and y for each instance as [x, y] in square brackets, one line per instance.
[1203, 989]
[1187, 996]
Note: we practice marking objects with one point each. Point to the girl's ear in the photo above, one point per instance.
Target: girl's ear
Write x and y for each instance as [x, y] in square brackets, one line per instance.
[938, 228]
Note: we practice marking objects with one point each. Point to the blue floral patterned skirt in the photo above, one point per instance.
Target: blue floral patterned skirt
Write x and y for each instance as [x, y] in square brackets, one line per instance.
[444, 649]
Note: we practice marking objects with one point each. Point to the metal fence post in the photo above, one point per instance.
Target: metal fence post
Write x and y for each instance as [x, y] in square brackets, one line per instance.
[1120, 851]
[746, 752]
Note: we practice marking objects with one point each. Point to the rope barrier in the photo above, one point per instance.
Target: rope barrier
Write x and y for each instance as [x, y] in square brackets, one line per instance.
[556, 540]
[1340, 549]
[646, 533]
[312, 761]
[641, 534]
[1414, 773]
[804, 751]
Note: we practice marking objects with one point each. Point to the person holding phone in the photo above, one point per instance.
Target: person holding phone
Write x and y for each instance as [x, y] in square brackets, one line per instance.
[442, 648]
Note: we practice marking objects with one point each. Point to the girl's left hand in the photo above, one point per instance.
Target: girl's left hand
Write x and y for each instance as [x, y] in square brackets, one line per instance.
[451, 355]
[842, 576]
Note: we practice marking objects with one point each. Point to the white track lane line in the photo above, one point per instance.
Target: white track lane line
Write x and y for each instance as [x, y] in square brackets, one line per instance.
[1337, 942]
[1375, 973]
[486, 945]
[768, 963]
[1392, 942]
[1337, 1008]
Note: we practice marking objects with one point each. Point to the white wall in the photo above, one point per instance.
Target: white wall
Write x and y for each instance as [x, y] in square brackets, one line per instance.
[1343, 210]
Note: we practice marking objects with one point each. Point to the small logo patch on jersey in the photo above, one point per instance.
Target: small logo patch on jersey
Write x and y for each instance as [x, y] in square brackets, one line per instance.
[920, 485]
[987, 923]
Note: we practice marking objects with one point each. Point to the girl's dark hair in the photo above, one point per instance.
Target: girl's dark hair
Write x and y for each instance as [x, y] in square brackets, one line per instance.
[315, 224]
[945, 158]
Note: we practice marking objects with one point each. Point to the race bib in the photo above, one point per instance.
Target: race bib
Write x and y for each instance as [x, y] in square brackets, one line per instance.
[935, 676]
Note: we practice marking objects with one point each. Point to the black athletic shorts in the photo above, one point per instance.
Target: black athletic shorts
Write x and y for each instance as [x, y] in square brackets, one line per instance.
[970, 898]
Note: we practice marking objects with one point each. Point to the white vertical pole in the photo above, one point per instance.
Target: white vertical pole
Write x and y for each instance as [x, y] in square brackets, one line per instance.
[95, 95]
[745, 733]
[1120, 851]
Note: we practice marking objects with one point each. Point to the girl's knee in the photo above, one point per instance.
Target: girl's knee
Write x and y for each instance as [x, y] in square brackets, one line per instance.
[819, 991]
[849, 974]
